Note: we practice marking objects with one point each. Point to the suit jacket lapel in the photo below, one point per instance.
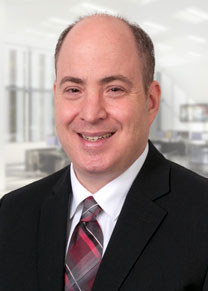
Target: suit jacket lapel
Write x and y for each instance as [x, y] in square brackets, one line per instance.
[138, 222]
[52, 236]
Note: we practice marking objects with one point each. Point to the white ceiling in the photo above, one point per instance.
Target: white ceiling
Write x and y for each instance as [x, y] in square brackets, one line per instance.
[179, 28]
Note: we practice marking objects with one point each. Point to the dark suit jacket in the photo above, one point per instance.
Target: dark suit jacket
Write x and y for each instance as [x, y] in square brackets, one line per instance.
[160, 242]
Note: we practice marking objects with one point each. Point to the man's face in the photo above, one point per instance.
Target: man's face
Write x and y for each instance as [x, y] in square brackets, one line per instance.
[102, 113]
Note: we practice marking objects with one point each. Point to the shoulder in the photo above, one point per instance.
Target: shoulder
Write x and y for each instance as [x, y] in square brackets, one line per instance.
[184, 178]
[34, 193]
[187, 200]
[181, 187]
[175, 173]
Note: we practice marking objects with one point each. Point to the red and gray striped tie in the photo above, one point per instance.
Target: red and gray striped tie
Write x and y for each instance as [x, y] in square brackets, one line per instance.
[85, 250]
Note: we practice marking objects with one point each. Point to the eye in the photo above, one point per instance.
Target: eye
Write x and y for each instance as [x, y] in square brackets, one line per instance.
[72, 93]
[72, 90]
[116, 89]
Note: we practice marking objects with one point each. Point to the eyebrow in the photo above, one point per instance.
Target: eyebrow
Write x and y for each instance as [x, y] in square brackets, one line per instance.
[71, 79]
[112, 78]
[104, 80]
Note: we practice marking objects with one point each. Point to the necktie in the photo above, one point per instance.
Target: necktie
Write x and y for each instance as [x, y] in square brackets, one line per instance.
[85, 250]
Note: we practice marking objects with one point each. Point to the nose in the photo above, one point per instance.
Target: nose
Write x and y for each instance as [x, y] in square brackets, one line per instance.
[93, 108]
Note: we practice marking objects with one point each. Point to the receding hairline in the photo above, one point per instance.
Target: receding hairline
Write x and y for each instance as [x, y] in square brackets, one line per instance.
[143, 43]
[81, 19]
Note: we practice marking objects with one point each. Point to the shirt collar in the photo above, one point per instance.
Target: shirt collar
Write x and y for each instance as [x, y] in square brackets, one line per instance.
[112, 196]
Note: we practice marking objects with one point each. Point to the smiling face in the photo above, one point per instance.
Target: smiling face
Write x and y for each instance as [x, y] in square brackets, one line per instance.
[102, 113]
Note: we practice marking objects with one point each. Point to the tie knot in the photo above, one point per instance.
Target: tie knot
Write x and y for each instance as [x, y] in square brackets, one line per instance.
[90, 209]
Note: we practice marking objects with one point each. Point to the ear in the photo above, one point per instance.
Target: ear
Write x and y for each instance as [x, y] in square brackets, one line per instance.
[54, 88]
[154, 94]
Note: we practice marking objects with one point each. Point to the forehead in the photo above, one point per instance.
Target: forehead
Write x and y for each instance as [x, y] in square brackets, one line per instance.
[98, 41]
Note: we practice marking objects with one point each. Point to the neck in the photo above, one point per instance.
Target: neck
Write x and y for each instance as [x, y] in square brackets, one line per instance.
[94, 182]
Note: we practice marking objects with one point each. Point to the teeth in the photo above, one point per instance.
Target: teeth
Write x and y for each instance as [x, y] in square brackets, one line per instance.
[96, 138]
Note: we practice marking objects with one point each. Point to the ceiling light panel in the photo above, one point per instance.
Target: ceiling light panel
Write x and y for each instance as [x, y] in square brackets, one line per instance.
[163, 47]
[193, 15]
[59, 21]
[153, 28]
[194, 54]
[145, 2]
[197, 39]
[40, 33]
[86, 7]
[198, 13]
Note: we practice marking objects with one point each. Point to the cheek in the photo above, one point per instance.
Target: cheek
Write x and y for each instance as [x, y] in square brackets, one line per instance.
[137, 120]
[64, 113]
[132, 114]
[121, 110]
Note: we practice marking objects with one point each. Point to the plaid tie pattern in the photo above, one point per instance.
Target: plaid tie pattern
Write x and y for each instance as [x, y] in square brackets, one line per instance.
[85, 250]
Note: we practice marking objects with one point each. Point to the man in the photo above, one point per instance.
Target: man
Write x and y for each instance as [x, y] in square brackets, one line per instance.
[151, 226]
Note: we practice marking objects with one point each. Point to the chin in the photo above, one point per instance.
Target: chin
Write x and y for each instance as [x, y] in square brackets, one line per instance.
[95, 168]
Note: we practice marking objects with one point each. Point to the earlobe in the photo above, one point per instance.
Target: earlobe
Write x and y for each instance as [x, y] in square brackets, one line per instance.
[154, 100]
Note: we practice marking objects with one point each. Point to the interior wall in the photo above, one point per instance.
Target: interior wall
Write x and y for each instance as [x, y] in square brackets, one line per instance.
[192, 79]
[185, 84]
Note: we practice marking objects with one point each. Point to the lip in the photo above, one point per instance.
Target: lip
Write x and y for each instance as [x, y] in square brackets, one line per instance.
[95, 143]
[93, 134]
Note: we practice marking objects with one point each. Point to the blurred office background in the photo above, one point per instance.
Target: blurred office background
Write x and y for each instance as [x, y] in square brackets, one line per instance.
[29, 30]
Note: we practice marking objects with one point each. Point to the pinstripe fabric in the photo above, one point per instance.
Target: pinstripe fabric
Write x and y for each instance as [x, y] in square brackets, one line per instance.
[85, 250]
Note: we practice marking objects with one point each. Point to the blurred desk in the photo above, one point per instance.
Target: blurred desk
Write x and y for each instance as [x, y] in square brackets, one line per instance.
[198, 153]
[198, 157]
[170, 147]
[47, 160]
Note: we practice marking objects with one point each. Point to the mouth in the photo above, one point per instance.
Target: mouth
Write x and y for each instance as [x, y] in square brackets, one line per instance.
[96, 138]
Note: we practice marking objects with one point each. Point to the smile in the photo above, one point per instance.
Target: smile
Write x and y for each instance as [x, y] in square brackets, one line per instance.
[96, 138]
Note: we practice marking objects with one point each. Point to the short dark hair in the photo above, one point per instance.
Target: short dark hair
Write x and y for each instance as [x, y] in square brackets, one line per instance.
[143, 41]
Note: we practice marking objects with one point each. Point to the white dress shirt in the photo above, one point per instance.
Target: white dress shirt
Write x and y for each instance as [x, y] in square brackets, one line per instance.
[111, 198]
